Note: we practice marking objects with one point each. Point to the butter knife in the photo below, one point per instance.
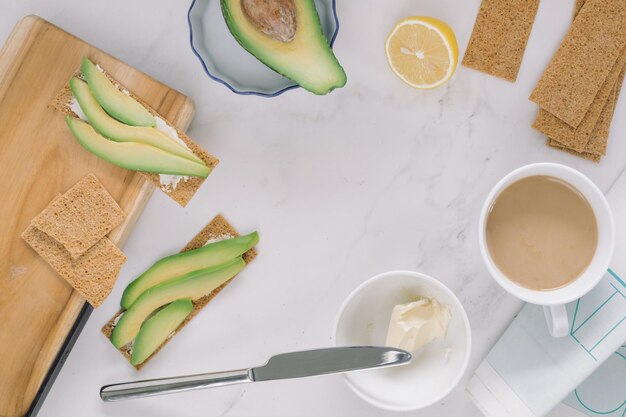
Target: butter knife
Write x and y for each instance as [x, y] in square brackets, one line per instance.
[283, 366]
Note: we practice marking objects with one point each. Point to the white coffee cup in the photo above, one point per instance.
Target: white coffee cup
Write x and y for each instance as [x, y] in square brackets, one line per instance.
[554, 300]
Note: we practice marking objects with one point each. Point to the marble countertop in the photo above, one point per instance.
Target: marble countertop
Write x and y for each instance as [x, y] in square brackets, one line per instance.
[373, 177]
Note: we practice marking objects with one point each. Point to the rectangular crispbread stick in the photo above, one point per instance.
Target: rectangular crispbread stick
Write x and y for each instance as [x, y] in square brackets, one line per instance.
[577, 6]
[576, 138]
[216, 229]
[598, 139]
[586, 155]
[583, 62]
[500, 35]
[186, 188]
[600, 136]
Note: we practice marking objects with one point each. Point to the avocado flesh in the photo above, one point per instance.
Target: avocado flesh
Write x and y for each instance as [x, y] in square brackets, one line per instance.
[119, 105]
[157, 328]
[132, 155]
[120, 132]
[307, 59]
[191, 286]
[174, 266]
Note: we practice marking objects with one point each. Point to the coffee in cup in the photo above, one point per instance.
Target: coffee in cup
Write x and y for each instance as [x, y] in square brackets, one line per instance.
[541, 232]
[546, 235]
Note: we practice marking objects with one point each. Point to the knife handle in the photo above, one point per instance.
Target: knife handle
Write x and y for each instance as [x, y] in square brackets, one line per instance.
[151, 387]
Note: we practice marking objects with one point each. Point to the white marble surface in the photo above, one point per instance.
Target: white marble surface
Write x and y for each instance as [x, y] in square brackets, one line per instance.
[374, 177]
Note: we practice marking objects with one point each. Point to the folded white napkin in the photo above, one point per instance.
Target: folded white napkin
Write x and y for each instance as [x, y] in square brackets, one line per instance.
[528, 373]
[603, 394]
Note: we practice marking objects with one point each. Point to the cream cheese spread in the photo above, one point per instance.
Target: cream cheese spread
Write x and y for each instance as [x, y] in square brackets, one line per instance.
[75, 107]
[219, 238]
[418, 323]
[169, 182]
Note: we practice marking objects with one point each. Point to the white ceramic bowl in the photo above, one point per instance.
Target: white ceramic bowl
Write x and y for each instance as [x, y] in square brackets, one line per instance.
[435, 369]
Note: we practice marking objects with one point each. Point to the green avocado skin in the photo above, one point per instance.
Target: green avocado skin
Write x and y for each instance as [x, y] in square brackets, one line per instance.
[174, 266]
[119, 105]
[330, 75]
[193, 286]
[155, 330]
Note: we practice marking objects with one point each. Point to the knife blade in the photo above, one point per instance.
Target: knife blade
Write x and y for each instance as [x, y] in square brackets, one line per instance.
[282, 366]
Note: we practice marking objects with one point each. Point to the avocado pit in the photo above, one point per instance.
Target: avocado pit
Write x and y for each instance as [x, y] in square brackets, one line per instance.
[275, 18]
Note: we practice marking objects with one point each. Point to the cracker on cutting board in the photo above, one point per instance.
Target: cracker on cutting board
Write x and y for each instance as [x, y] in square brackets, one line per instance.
[218, 228]
[576, 138]
[500, 35]
[187, 187]
[92, 275]
[81, 217]
[583, 61]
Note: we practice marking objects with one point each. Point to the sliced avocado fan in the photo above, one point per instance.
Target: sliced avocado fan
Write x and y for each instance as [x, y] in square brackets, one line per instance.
[132, 155]
[190, 286]
[120, 132]
[286, 35]
[119, 105]
[155, 330]
[172, 267]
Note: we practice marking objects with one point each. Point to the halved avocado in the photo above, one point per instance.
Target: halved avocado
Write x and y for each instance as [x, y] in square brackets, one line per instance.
[132, 155]
[120, 132]
[119, 105]
[286, 35]
[190, 286]
[172, 267]
[157, 328]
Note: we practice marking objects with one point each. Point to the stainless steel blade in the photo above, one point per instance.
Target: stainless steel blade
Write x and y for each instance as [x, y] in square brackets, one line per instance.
[287, 365]
[328, 361]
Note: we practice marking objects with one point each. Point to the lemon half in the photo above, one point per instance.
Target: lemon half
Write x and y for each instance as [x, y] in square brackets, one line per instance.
[422, 51]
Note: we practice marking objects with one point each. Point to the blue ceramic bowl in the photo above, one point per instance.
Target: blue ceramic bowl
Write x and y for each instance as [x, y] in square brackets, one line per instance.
[226, 62]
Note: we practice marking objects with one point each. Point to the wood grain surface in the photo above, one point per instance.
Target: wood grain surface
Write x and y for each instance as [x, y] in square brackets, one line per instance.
[39, 159]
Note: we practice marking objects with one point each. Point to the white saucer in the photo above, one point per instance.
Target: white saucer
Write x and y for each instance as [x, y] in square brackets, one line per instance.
[435, 369]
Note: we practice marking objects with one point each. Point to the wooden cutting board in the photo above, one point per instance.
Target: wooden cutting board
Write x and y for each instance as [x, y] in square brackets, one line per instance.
[38, 160]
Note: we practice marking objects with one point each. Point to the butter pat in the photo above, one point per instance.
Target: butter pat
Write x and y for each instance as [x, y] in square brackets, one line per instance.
[416, 324]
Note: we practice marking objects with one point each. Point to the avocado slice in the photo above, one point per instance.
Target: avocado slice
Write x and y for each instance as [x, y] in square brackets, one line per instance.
[286, 35]
[119, 132]
[157, 329]
[132, 155]
[192, 286]
[119, 105]
[174, 266]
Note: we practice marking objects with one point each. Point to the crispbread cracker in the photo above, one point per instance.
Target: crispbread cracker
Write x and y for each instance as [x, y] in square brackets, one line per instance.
[600, 136]
[186, 187]
[92, 275]
[217, 228]
[81, 217]
[586, 155]
[598, 139]
[582, 63]
[576, 138]
[500, 35]
[577, 6]
[596, 147]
